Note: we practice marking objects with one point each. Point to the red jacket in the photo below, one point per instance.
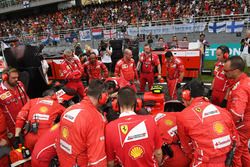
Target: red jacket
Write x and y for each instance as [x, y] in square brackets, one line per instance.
[41, 110]
[209, 129]
[44, 149]
[3, 135]
[71, 71]
[167, 126]
[11, 102]
[174, 68]
[95, 70]
[239, 104]
[3, 127]
[148, 62]
[220, 81]
[120, 82]
[126, 70]
[132, 139]
[81, 136]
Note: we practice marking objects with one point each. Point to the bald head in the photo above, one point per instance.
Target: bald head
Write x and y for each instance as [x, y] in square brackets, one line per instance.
[127, 54]
[248, 33]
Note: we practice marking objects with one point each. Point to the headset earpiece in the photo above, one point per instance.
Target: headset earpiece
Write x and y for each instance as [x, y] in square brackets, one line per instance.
[186, 95]
[115, 105]
[103, 98]
[226, 55]
[5, 77]
[138, 105]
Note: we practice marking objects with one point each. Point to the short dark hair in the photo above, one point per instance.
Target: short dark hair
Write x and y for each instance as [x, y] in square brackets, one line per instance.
[96, 88]
[146, 44]
[202, 35]
[168, 54]
[237, 63]
[126, 97]
[224, 49]
[196, 88]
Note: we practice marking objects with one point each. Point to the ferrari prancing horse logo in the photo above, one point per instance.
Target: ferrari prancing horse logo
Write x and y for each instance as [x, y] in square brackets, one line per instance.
[124, 129]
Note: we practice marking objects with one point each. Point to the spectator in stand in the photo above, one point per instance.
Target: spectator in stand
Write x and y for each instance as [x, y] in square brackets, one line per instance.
[203, 45]
[106, 52]
[119, 13]
[245, 49]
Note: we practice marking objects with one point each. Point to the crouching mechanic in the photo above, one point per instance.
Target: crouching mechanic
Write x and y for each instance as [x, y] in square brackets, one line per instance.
[44, 153]
[132, 139]
[36, 117]
[81, 140]
[174, 73]
[173, 156]
[207, 132]
[72, 71]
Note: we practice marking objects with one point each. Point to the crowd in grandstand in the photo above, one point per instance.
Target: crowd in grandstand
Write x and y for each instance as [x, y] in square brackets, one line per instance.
[121, 13]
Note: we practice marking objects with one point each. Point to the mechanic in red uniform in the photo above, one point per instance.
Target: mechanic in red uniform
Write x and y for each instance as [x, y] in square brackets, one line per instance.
[146, 65]
[166, 123]
[115, 83]
[45, 148]
[220, 83]
[4, 149]
[206, 131]
[81, 139]
[39, 115]
[238, 105]
[126, 68]
[132, 139]
[72, 71]
[95, 68]
[12, 98]
[174, 74]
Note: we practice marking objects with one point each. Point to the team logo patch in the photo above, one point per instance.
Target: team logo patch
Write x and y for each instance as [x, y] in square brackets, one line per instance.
[222, 142]
[168, 122]
[5, 95]
[124, 129]
[198, 109]
[43, 109]
[136, 152]
[124, 66]
[65, 132]
[218, 127]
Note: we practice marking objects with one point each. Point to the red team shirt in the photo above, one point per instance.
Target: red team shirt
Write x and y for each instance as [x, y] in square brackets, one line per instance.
[221, 83]
[149, 62]
[95, 70]
[132, 139]
[11, 102]
[125, 69]
[174, 68]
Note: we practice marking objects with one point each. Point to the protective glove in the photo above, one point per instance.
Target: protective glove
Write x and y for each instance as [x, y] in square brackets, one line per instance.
[167, 150]
[17, 141]
[224, 103]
